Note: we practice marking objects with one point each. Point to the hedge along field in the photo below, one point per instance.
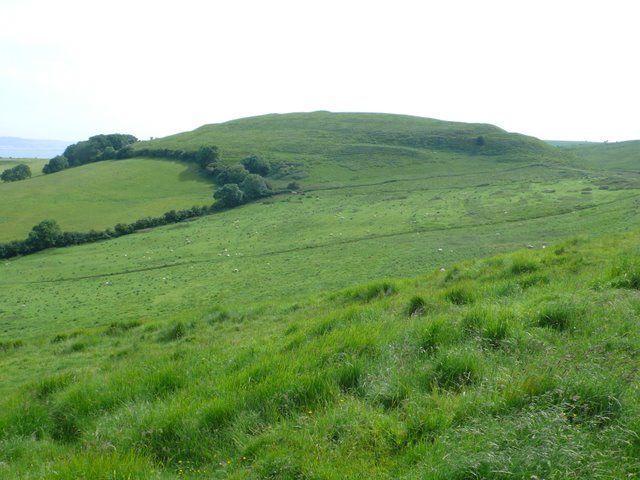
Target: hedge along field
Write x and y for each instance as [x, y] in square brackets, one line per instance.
[516, 366]
[99, 195]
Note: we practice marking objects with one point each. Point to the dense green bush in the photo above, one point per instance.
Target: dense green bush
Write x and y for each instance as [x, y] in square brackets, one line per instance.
[254, 186]
[257, 165]
[19, 172]
[229, 196]
[56, 164]
[230, 174]
[98, 147]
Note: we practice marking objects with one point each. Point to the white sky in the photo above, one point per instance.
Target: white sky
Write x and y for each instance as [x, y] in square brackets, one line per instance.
[553, 69]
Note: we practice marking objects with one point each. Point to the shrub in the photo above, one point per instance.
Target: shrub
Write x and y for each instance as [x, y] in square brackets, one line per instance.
[19, 172]
[206, 156]
[43, 235]
[254, 186]
[56, 164]
[230, 174]
[229, 195]
[257, 165]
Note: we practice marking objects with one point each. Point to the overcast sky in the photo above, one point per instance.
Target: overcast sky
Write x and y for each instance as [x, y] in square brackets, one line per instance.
[552, 69]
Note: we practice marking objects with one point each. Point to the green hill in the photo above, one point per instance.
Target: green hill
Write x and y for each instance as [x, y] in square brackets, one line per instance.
[329, 146]
[315, 149]
[99, 195]
[517, 366]
[303, 337]
[619, 156]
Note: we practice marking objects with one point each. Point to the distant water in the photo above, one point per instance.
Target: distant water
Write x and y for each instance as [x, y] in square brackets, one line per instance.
[13, 147]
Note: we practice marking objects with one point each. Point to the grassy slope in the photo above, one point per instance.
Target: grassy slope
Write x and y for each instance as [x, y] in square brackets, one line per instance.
[193, 390]
[621, 156]
[349, 147]
[100, 195]
[364, 216]
[517, 366]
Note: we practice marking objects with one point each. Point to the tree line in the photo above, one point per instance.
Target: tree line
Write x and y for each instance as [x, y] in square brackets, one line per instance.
[47, 234]
[238, 184]
[98, 147]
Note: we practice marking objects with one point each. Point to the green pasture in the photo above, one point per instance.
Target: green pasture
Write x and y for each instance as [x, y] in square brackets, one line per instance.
[371, 324]
[99, 195]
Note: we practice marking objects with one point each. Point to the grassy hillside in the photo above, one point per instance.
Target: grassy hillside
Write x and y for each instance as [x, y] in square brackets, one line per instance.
[621, 156]
[237, 346]
[396, 216]
[100, 195]
[519, 366]
[343, 147]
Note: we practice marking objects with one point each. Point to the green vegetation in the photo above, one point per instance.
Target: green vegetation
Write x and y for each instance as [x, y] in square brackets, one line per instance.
[301, 336]
[99, 195]
[617, 156]
[98, 147]
[34, 164]
[385, 380]
[14, 174]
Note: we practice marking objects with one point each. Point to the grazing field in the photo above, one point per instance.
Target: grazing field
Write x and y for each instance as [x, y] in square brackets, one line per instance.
[516, 366]
[100, 195]
[331, 332]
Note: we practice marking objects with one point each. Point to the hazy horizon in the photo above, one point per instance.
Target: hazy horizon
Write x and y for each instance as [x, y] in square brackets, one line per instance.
[72, 69]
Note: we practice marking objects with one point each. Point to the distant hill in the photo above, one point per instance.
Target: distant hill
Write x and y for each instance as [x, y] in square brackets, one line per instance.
[14, 147]
[621, 156]
[366, 143]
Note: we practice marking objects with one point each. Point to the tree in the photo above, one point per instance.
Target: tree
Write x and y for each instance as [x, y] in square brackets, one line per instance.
[56, 164]
[257, 165]
[123, 229]
[254, 186]
[230, 174]
[480, 141]
[19, 172]
[229, 195]
[43, 235]
[108, 153]
[206, 156]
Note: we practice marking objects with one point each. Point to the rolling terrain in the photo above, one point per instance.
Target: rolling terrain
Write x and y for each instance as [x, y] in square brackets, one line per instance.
[331, 332]
[516, 366]
[617, 156]
[99, 195]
